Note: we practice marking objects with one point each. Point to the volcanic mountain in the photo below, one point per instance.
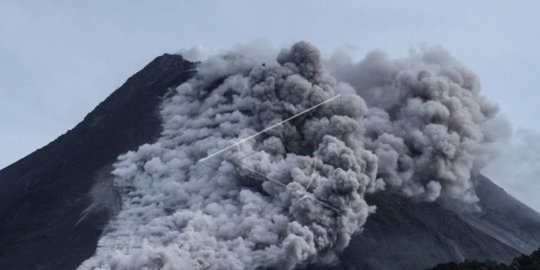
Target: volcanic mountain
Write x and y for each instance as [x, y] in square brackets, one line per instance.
[56, 202]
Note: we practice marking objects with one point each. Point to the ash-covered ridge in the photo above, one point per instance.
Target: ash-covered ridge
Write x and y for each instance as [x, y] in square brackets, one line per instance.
[295, 194]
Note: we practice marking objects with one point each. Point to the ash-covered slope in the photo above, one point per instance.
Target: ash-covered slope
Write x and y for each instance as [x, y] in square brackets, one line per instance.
[504, 217]
[406, 235]
[43, 195]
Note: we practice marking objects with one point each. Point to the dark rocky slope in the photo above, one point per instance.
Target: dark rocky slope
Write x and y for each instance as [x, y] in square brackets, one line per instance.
[407, 235]
[505, 218]
[43, 197]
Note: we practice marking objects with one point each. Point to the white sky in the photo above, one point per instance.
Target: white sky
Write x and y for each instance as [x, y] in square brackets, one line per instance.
[59, 59]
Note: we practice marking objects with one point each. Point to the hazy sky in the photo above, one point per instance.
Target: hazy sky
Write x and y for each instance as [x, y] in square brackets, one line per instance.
[59, 59]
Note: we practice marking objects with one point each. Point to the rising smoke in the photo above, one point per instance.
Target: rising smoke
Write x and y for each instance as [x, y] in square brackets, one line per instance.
[293, 195]
[427, 123]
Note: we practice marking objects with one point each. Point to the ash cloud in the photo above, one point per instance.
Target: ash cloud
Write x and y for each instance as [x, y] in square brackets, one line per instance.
[196, 53]
[428, 123]
[293, 195]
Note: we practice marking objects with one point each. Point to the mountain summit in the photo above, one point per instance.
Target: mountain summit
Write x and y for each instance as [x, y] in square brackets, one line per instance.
[57, 202]
[44, 195]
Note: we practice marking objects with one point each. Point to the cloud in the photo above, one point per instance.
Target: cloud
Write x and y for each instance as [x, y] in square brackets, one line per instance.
[293, 195]
[428, 123]
[196, 53]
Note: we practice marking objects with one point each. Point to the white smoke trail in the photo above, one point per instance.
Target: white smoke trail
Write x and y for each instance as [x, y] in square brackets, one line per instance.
[294, 194]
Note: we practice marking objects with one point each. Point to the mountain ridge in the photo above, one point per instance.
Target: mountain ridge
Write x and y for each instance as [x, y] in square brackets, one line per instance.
[45, 195]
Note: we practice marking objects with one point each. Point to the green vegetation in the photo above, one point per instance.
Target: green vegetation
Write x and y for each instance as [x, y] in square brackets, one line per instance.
[524, 262]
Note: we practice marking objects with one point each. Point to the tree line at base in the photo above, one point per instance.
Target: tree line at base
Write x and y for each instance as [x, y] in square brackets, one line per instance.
[523, 262]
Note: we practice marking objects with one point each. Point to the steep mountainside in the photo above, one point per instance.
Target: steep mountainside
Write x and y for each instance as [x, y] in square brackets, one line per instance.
[406, 235]
[505, 218]
[44, 195]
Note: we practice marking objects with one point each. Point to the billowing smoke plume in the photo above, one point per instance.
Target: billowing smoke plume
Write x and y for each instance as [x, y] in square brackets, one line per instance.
[295, 194]
[427, 123]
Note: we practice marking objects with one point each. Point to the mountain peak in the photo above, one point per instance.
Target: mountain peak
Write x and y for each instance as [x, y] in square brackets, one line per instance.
[44, 194]
[49, 222]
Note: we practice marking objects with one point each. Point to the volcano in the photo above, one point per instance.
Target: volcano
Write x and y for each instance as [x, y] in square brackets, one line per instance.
[53, 219]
